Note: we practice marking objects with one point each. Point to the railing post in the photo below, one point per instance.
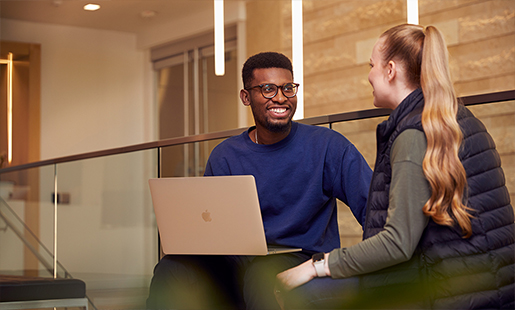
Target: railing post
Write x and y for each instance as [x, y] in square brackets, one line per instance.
[55, 221]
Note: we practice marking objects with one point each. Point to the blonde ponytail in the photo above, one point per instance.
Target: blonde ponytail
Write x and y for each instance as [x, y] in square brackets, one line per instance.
[424, 54]
[442, 166]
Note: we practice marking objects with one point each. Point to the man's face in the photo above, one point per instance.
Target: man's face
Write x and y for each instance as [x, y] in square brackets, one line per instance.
[273, 114]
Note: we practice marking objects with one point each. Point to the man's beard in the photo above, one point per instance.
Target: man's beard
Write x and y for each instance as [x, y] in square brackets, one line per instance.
[278, 128]
[275, 127]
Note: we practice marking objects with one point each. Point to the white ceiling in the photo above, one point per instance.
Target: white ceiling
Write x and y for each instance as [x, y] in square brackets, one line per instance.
[117, 15]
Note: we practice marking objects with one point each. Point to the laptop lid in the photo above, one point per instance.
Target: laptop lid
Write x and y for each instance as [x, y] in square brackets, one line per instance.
[209, 215]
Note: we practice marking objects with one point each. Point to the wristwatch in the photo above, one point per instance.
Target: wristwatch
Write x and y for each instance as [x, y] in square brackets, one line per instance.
[318, 262]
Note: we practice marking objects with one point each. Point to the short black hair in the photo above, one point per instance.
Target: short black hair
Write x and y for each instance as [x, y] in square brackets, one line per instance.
[263, 61]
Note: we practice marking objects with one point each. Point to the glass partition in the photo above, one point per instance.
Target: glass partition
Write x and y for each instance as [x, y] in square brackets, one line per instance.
[362, 133]
[191, 99]
[186, 160]
[25, 250]
[107, 235]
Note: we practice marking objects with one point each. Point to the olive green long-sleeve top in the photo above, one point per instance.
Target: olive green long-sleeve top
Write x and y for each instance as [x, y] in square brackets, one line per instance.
[405, 222]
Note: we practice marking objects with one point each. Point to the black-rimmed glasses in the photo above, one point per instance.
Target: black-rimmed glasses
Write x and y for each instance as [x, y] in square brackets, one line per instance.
[269, 91]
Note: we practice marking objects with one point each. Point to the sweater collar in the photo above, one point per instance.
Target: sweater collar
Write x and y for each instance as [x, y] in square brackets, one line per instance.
[270, 147]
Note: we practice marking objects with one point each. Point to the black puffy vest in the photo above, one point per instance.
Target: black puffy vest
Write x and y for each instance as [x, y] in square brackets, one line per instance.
[448, 271]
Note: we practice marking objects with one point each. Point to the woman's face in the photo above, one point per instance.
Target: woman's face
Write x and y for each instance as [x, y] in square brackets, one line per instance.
[378, 77]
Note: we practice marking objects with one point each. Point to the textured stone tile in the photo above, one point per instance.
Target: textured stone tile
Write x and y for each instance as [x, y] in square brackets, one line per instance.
[365, 142]
[433, 6]
[349, 16]
[494, 18]
[337, 86]
[493, 109]
[346, 242]
[358, 126]
[311, 6]
[339, 107]
[258, 31]
[503, 135]
[508, 166]
[350, 229]
[476, 19]
[485, 58]
[364, 50]
[362, 133]
[325, 56]
[499, 119]
[449, 30]
[485, 85]
[338, 52]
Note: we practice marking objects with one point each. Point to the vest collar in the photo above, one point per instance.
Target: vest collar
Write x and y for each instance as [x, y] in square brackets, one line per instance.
[410, 103]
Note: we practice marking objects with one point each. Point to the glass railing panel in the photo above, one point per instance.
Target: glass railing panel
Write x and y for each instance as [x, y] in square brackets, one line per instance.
[26, 250]
[107, 235]
[186, 160]
[362, 133]
[177, 161]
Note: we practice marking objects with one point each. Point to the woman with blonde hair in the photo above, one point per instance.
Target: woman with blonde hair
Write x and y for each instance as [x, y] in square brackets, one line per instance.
[439, 231]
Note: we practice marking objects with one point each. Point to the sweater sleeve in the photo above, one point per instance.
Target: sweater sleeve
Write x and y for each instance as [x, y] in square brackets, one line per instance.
[354, 182]
[405, 221]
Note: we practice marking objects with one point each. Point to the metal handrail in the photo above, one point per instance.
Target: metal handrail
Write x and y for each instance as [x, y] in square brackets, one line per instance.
[319, 120]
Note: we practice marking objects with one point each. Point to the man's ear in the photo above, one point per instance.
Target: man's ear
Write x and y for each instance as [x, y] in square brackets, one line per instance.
[245, 97]
[391, 68]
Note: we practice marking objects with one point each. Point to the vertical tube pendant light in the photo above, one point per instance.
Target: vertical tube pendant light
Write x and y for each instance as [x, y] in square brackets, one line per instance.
[10, 107]
[412, 11]
[298, 54]
[219, 38]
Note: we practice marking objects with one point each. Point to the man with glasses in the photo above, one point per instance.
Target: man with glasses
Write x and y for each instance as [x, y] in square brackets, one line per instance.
[300, 171]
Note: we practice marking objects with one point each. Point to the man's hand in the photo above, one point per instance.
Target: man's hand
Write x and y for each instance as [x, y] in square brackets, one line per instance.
[296, 276]
[292, 278]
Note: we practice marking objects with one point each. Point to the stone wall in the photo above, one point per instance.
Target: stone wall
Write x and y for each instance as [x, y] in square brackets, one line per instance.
[338, 40]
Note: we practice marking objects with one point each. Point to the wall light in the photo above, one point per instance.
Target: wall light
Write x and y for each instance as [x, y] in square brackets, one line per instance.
[9, 63]
[10, 108]
[297, 34]
[219, 38]
[91, 7]
[412, 11]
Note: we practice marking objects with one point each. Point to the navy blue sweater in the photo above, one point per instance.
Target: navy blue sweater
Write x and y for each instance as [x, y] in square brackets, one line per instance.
[298, 180]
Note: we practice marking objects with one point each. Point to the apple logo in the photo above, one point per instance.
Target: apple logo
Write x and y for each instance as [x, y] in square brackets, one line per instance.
[206, 215]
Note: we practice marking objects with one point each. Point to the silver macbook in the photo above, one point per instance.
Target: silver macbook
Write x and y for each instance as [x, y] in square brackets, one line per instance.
[210, 216]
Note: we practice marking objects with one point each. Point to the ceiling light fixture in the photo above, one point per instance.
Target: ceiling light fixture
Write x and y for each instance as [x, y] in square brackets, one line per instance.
[91, 7]
[298, 54]
[412, 11]
[219, 38]
[10, 106]
[148, 14]
[9, 63]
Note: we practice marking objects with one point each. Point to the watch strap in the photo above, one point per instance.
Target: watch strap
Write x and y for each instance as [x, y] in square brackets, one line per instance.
[318, 262]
